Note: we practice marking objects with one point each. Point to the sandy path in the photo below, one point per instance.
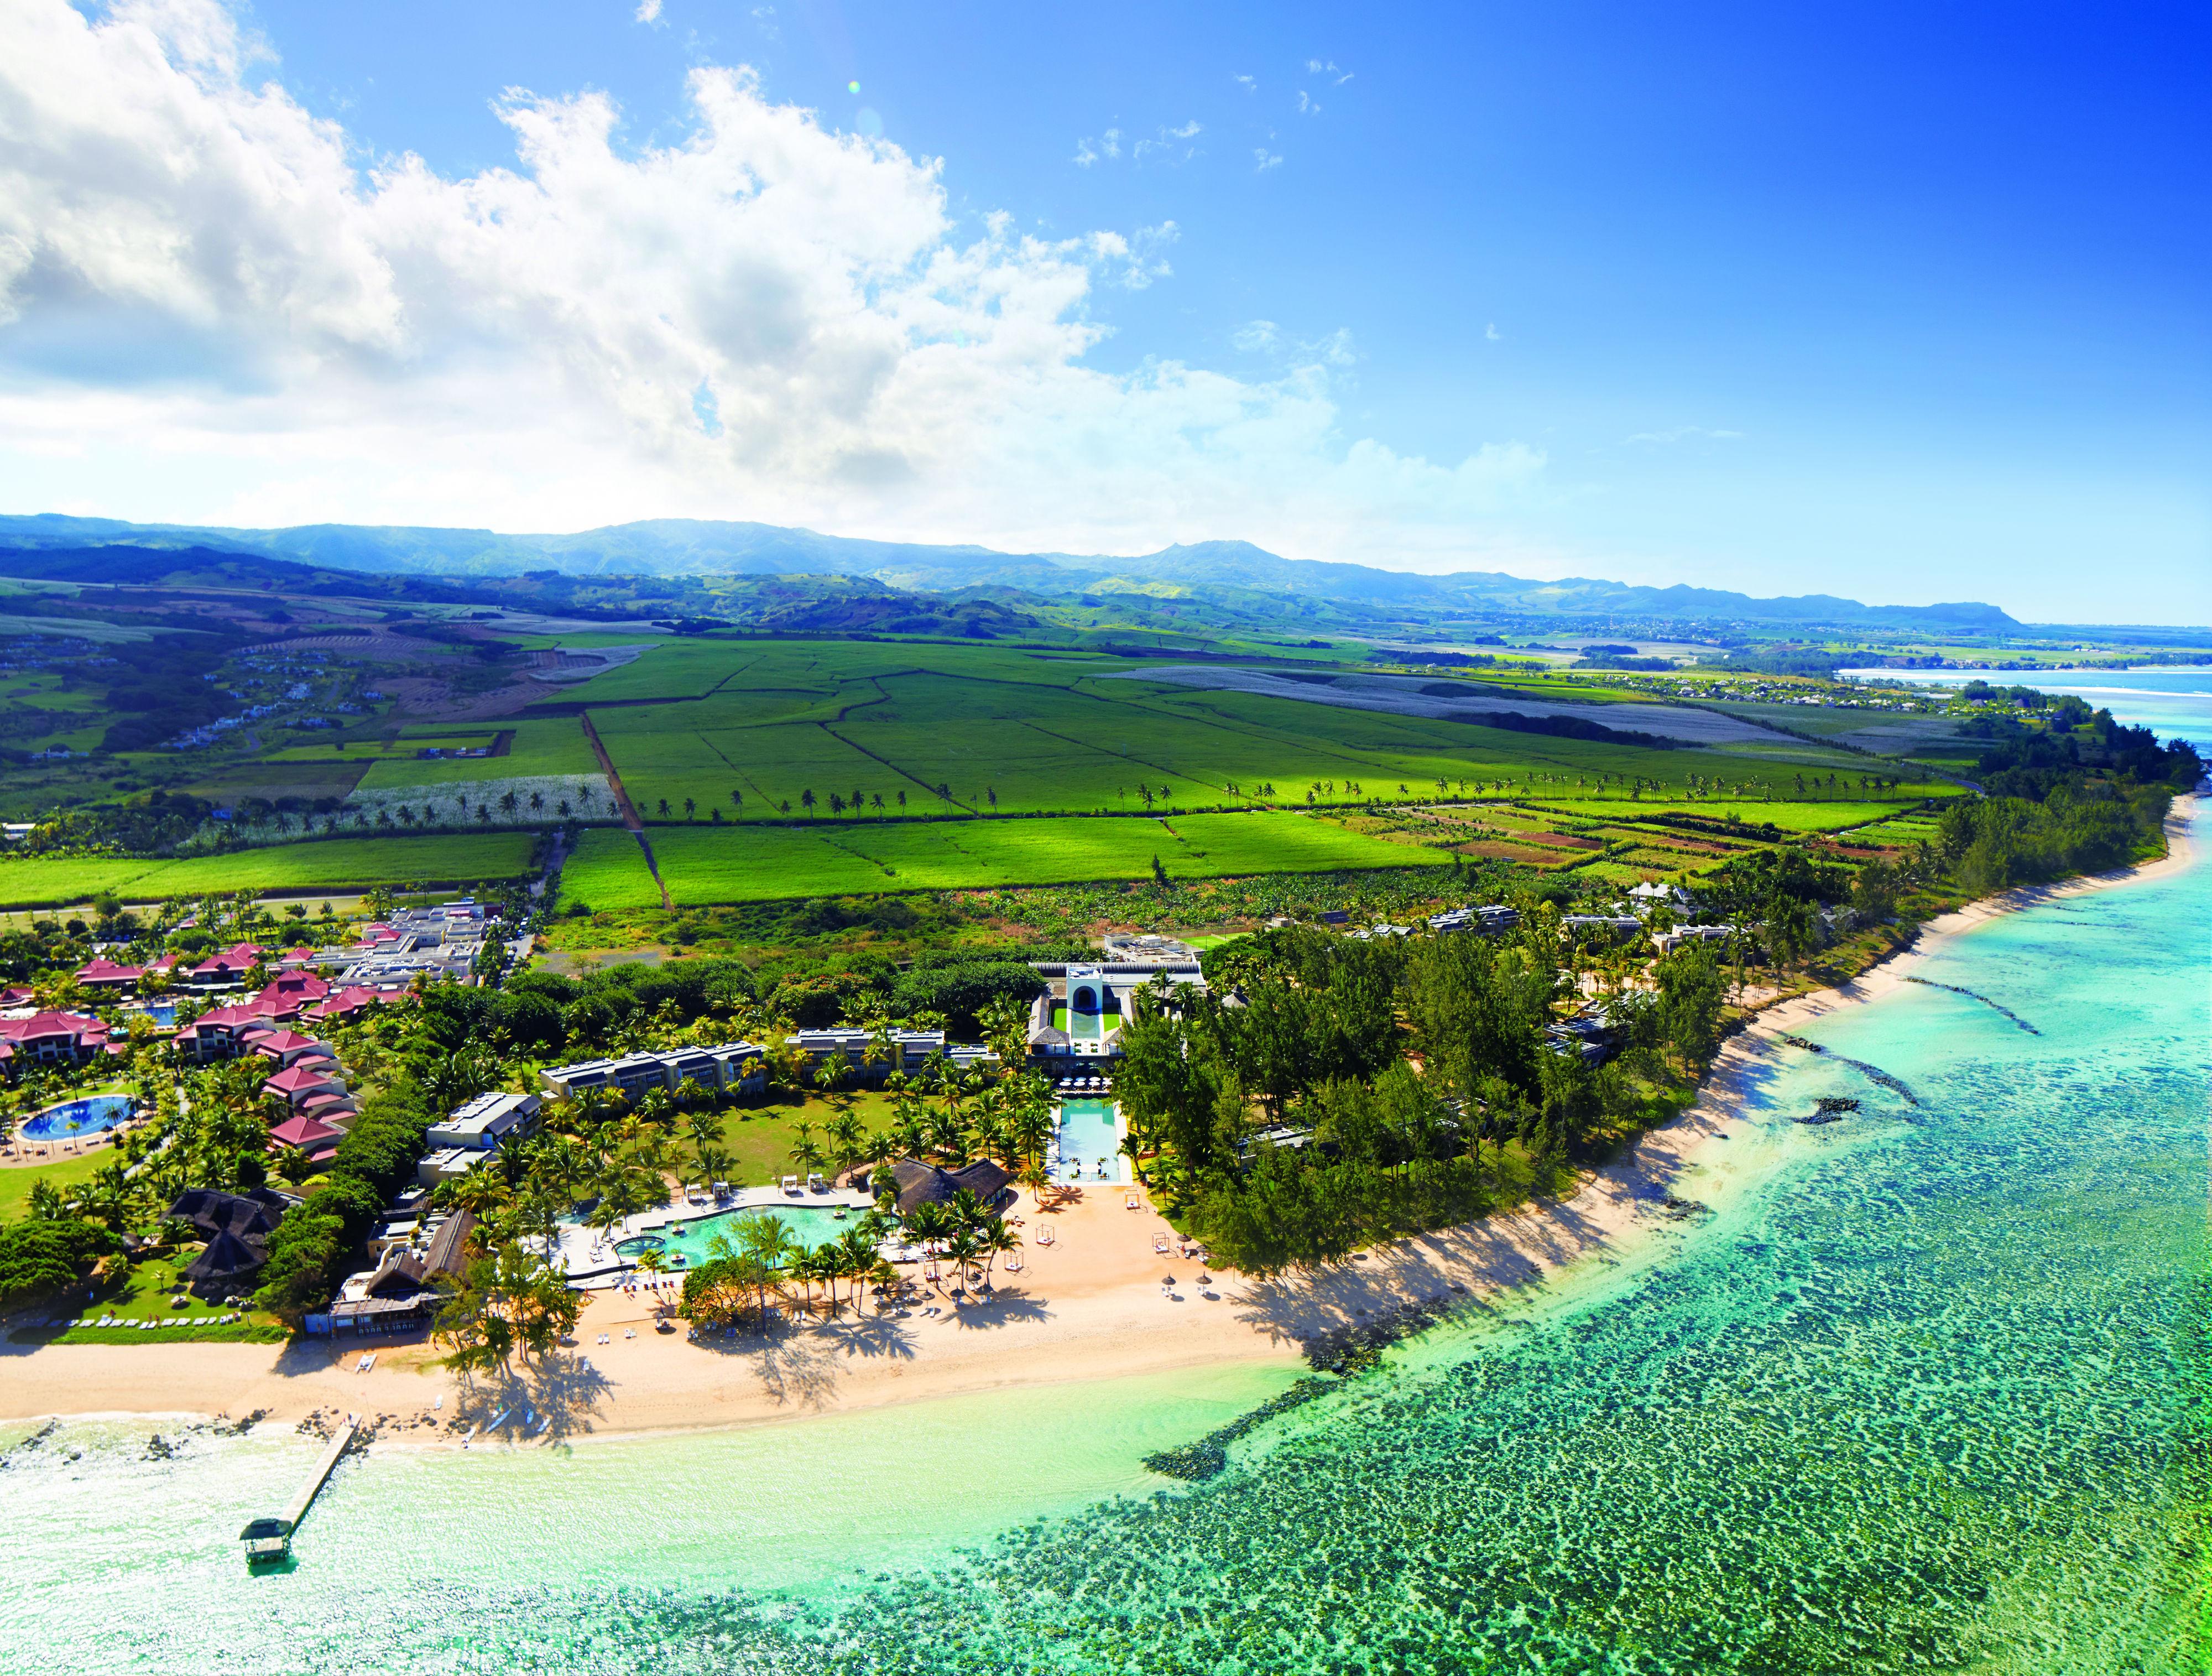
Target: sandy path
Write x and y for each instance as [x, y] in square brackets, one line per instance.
[1088, 1306]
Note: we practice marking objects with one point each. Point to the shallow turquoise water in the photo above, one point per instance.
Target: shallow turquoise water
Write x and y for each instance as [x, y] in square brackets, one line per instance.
[92, 1116]
[1088, 1133]
[810, 1225]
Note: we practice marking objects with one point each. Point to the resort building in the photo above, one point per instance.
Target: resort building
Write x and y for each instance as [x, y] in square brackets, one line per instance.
[315, 1082]
[487, 1122]
[229, 967]
[733, 1067]
[1666, 942]
[1085, 1004]
[920, 1183]
[448, 1164]
[871, 1055]
[288, 1047]
[236, 1226]
[318, 1139]
[103, 975]
[346, 1003]
[1488, 921]
[402, 1291]
[53, 1038]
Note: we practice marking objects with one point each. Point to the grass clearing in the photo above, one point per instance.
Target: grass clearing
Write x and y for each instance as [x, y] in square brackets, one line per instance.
[703, 865]
[65, 1173]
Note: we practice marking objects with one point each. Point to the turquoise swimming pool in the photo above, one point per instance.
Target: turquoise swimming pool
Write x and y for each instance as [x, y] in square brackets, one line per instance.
[1090, 1134]
[76, 1118]
[692, 1240]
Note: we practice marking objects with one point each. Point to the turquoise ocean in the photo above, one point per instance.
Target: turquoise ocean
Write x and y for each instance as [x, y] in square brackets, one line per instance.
[1922, 1389]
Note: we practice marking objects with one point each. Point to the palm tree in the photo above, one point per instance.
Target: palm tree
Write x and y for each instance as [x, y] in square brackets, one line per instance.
[996, 1239]
[857, 1256]
[929, 1222]
[848, 1144]
[806, 1155]
[963, 1248]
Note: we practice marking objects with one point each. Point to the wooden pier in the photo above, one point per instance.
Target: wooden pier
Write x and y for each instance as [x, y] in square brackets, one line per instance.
[269, 1540]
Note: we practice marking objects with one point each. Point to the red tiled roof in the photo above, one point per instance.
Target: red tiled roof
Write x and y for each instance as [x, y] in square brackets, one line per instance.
[39, 1025]
[349, 999]
[296, 985]
[301, 1131]
[231, 1017]
[281, 1041]
[298, 1079]
[105, 970]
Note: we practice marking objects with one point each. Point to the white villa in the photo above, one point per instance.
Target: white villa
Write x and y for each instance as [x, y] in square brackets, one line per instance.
[1080, 1014]
[740, 1067]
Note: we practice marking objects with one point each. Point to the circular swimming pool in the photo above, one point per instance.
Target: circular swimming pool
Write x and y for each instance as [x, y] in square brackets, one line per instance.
[75, 1118]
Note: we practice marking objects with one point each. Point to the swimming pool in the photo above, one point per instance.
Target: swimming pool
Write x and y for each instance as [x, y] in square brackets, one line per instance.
[808, 1225]
[75, 1118]
[1089, 1132]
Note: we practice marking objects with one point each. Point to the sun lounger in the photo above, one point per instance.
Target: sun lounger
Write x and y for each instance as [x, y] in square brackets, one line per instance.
[1013, 1265]
[1160, 1244]
[1044, 1236]
[791, 1184]
[604, 1340]
[1131, 1202]
[629, 1333]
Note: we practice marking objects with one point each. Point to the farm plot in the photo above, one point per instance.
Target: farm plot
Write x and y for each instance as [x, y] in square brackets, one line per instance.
[1789, 816]
[542, 748]
[336, 864]
[759, 863]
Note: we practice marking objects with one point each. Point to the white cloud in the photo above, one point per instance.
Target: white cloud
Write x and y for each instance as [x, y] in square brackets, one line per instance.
[1254, 336]
[1307, 105]
[1686, 434]
[648, 11]
[1265, 160]
[1492, 333]
[212, 309]
[1084, 156]
[1170, 140]
[1246, 82]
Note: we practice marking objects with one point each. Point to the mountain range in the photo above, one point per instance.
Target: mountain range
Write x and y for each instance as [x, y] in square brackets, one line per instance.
[1229, 573]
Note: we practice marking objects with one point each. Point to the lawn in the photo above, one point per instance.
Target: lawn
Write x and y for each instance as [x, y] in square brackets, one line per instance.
[705, 864]
[66, 1173]
[760, 1135]
[142, 1293]
[336, 863]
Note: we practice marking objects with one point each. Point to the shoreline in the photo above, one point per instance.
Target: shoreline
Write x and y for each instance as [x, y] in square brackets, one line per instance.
[1099, 1311]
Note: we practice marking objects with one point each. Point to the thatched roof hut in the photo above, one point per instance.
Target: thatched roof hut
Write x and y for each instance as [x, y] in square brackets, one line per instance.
[920, 1183]
[227, 1261]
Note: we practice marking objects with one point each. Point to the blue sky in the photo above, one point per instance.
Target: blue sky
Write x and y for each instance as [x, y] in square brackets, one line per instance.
[1902, 303]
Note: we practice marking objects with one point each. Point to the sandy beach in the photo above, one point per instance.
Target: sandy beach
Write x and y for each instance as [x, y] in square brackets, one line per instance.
[1097, 1302]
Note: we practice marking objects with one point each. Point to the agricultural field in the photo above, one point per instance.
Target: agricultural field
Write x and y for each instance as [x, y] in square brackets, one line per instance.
[550, 745]
[1791, 816]
[701, 865]
[34, 881]
[987, 729]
